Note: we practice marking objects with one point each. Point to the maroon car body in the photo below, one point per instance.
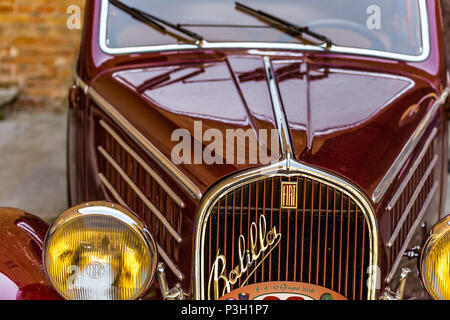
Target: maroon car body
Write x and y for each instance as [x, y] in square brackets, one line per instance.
[362, 118]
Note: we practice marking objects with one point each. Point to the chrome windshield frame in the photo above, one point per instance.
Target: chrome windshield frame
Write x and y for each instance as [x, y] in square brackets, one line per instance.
[426, 43]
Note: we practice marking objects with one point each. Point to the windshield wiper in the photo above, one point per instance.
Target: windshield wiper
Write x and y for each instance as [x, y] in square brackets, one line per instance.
[155, 22]
[286, 26]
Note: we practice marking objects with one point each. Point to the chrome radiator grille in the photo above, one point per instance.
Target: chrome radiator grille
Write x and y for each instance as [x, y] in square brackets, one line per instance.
[325, 241]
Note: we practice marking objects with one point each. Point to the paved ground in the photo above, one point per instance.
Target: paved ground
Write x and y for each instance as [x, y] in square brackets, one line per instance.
[32, 163]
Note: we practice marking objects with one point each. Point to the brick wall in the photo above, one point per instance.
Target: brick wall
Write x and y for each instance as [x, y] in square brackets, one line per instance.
[37, 49]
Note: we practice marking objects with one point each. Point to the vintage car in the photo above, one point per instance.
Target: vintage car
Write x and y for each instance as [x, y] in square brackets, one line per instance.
[353, 96]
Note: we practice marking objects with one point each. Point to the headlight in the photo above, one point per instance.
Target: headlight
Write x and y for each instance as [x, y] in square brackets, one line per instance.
[99, 250]
[435, 261]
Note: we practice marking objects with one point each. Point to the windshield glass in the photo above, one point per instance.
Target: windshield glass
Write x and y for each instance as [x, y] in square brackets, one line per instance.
[383, 25]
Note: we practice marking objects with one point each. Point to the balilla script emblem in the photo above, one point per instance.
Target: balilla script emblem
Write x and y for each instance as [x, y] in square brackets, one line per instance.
[261, 241]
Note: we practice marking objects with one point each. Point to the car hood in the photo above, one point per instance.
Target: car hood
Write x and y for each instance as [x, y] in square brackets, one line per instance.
[349, 119]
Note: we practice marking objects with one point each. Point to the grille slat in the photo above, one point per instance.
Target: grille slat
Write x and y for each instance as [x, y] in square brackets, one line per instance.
[271, 224]
[326, 240]
[321, 239]
[264, 210]
[318, 233]
[311, 231]
[362, 255]
[355, 245]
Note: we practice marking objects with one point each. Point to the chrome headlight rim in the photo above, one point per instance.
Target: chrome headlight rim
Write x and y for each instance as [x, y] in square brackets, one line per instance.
[439, 230]
[111, 210]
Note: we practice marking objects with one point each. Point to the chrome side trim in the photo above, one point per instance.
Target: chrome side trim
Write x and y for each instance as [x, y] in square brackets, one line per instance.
[411, 232]
[111, 189]
[146, 167]
[81, 84]
[426, 46]
[412, 201]
[412, 170]
[170, 263]
[286, 167]
[409, 147]
[280, 116]
[161, 251]
[170, 168]
[147, 202]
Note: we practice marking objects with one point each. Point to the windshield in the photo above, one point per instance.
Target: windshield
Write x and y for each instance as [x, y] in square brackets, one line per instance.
[382, 25]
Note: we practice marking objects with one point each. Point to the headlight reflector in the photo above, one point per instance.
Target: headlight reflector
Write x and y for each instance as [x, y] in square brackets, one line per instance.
[99, 250]
[435, 261]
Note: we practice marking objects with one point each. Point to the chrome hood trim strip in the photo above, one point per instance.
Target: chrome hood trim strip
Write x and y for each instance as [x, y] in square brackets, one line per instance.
[426, 46]
[409, 147]
[280, 116]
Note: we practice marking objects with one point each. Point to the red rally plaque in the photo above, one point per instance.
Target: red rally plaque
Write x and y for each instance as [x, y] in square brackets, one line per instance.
[283, 290]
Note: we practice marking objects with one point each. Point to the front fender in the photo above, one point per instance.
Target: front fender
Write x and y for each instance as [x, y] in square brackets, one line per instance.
[22, 275]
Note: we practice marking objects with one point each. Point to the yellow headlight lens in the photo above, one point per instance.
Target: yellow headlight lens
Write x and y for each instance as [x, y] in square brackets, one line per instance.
[99, 251]
[435, 261]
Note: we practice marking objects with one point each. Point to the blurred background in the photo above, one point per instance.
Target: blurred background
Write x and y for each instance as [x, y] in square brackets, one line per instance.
[36, 56]
[37, 51]
[446, 14]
